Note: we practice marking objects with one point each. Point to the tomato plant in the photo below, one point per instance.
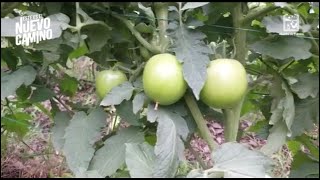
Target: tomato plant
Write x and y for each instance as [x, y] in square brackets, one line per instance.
[170, 76]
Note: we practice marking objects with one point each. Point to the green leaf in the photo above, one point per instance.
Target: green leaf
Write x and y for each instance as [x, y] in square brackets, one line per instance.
[53, 7]
[169, 147]
[306, 115]
[306, 85]
[194, 53]
[261, 128]
[18, 123]
[9, 57]
[51, 57]
[192, 5]
[51, 45]
[120, 33]
[284, 48]
[151, 139]
[118, 94]
[303, 166]
[306, 141]
[41, 94]
[11, 82]
[101, 56]
[80, 51]
[303, 9]
[59, 22]
[148, 11]
[138, 83]
[294, 147]
[68, 85]
[143, 28]
[83, 173]
[138, 102]
[171, 112]
[125, 112]
[79, 138]
[166, 149]
[315, 7]
[237, 160]
[43, 109]
[111, 156]
[61, 121]
[121, 174]
[274, 24]
[282, 107]
[248, 106]
[276, 139]
[140, 159]
[23, 92]
[98, 36]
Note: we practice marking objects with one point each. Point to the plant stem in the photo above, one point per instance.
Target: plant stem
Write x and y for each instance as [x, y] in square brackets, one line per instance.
[71, 113]
[123, 68]
[231, 123]
[145, 43]
[180, 13]
[161, 10]
[285, 66]
[78, 22]
[137, 72]
[259, 12]
[201, 123]
[230, 126]
[240, 35]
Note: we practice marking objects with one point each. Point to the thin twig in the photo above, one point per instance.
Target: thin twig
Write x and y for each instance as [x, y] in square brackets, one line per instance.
[71, 113]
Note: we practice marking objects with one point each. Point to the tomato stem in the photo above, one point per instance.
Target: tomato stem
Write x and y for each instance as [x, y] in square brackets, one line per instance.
[201, 123]
[231, 123]
[123, 68]
[136, 73]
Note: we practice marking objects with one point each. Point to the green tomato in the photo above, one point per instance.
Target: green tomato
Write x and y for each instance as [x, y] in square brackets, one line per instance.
[226, 84]
[108, 79]
[163, 80]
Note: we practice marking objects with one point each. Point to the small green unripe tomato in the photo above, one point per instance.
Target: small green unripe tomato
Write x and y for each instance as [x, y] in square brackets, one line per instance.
[225, 85]
[108, 79]
[163, 80]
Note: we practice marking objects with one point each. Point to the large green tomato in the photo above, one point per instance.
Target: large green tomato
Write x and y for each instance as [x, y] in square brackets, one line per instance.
[226, 84]
[163, 80]
[108, 79]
